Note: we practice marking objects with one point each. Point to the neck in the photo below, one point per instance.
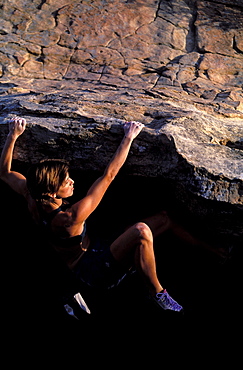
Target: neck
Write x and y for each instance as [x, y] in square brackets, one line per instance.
[52, 206]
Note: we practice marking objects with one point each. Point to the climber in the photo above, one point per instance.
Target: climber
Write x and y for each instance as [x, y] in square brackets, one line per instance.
[46, 187]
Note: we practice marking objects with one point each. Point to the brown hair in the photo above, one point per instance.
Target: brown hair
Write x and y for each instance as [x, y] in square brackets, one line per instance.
[45, 178]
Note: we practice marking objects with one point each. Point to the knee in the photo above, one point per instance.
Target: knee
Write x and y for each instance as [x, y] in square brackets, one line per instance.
[144, 231]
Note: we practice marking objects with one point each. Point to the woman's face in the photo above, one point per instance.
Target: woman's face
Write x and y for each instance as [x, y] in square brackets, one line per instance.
[66, 189]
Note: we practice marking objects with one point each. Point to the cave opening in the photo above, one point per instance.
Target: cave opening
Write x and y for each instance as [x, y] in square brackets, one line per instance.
[38, 279]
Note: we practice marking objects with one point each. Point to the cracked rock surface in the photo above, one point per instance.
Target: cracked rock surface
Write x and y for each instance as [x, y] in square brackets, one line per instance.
[76, 70]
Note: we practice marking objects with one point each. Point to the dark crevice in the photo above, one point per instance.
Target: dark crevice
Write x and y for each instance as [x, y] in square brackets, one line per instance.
[197, 65]
[235, 145]
[191, 39]
[235, 46]
[41, 4]
[158, 9]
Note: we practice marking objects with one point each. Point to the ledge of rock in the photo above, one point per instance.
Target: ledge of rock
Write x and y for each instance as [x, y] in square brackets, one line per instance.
[181, 141]
[77, 70]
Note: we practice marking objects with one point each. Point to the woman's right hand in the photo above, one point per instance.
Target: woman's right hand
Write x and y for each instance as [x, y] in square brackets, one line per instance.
[132, 129]
[17, 126]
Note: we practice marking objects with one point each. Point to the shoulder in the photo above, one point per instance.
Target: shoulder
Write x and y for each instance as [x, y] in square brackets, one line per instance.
[66, 223]
[16, 181]
[63, 217]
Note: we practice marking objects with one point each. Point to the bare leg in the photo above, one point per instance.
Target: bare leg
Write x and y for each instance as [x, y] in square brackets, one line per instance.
[136, 245]
[161, 222]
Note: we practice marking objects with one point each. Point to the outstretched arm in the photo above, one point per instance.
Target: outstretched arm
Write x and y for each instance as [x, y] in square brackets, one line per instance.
[82, 209]
[131, 131]
[14, 179]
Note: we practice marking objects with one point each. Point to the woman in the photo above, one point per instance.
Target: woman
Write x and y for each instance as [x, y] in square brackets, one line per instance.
[45, 189]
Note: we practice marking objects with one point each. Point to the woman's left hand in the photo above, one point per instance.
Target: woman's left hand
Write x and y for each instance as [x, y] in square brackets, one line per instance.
[132, 129]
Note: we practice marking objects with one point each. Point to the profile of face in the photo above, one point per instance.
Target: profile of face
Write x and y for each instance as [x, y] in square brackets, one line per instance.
[66, 189]
[49, 180]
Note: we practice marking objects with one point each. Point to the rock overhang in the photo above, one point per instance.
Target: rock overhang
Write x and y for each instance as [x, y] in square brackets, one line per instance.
[201, 150]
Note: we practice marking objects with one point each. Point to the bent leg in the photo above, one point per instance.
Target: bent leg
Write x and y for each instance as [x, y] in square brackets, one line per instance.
[158, 223]
[136, 245]
[161, 222]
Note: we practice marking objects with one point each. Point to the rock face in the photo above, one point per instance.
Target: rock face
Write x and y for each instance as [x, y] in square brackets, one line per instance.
[195, 45]
[76, 70]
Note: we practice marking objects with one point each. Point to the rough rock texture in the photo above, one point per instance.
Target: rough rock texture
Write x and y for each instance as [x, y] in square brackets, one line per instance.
[77, 69]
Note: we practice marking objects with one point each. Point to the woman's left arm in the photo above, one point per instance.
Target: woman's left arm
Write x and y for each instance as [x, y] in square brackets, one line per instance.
[14, 179]
[82, 209]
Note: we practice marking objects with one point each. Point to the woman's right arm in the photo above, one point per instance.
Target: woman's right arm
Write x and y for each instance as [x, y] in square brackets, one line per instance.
[14, 179]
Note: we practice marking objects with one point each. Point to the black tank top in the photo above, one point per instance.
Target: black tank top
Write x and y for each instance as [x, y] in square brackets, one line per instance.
[69, 249]
[46, 219]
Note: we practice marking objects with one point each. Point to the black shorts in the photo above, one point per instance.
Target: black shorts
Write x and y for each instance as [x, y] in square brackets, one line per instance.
[98, 268]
